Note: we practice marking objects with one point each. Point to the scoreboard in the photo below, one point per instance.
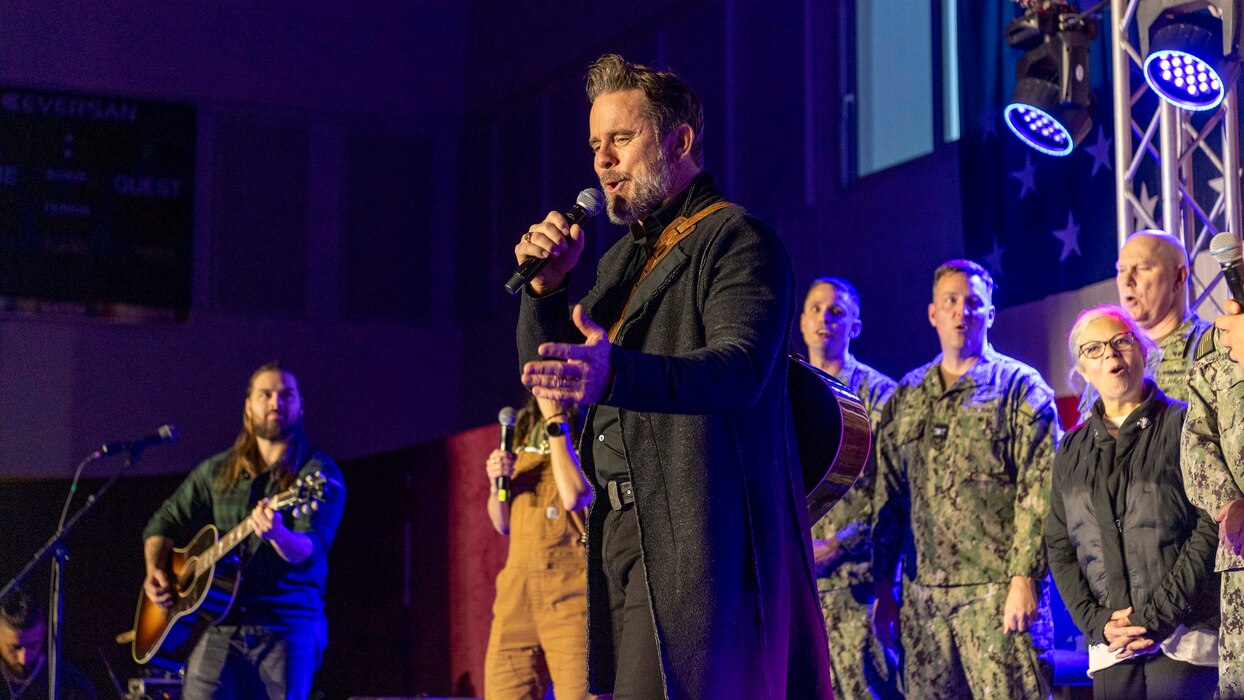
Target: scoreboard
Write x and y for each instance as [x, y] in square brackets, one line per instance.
[96, 205]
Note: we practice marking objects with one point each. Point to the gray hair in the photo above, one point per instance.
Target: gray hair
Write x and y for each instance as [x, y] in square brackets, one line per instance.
[1148, 348]
[668, 101]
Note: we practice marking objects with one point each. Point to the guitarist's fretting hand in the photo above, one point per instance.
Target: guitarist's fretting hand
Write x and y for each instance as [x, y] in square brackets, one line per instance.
[293, 547]
[265, 521]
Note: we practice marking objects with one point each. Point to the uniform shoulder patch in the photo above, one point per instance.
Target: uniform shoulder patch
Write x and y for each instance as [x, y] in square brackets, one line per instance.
[1207, 345]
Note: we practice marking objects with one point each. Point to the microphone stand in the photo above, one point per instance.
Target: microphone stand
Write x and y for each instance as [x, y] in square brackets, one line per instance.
[56, 545]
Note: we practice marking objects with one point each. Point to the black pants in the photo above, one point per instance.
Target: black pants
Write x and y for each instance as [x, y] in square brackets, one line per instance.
[635, 657]
[1155, 677]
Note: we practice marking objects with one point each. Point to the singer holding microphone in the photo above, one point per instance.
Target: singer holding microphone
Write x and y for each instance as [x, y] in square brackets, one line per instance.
[1213, 458]
[699, 568]
[538, 498]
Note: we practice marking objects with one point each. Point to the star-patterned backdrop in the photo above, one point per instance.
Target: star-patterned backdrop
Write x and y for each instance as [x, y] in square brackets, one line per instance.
[1041, 224]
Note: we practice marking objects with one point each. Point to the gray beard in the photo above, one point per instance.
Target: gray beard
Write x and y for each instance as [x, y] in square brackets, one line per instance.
[650, 191]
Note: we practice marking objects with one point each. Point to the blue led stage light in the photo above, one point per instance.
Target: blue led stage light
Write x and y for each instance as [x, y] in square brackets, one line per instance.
[1050, 107]
[1190, 50]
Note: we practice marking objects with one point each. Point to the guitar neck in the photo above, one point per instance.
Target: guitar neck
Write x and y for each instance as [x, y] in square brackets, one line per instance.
[244, 529]
[226, 544]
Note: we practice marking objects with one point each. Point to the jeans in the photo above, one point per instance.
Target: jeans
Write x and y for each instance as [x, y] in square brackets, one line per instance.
[255, 662]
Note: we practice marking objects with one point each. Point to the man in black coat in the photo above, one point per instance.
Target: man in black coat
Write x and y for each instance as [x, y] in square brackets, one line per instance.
[700, 583]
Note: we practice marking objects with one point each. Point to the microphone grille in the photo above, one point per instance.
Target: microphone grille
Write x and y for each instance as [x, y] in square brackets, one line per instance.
[1225, 248]
[167, 432]
[507, 417]
[591, 201]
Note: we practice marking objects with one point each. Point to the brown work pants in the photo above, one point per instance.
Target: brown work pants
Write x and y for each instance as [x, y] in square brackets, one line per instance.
[539, 635]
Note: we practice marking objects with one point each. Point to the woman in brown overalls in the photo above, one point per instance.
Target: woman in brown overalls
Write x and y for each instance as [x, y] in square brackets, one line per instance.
[539, 619]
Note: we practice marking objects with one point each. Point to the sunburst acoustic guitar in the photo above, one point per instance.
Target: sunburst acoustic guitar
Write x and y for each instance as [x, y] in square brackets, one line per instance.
[205, 577]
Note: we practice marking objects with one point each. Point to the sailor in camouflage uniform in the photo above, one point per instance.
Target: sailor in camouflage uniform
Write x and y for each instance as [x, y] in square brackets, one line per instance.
[1152, 277]
[859, 666]
[963, 485]
[1213, 467]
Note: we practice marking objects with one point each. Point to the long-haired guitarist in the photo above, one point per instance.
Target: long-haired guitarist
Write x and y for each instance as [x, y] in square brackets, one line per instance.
[270, 640]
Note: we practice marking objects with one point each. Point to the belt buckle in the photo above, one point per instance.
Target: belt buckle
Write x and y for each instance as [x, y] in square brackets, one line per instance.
[615, 499]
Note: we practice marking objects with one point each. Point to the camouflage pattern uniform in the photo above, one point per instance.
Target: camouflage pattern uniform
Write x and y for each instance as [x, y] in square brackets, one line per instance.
[857, 660]
[1213, 469]
[962, 492]
[1175, 356]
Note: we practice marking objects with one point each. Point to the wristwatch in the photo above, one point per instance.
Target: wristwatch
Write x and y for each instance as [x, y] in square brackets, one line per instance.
[556, 429]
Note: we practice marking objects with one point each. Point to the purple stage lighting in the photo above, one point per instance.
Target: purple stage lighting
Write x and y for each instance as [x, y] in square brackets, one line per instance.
[1050, 109]
[1184, 80]
[1188, 63]
[1038, 129]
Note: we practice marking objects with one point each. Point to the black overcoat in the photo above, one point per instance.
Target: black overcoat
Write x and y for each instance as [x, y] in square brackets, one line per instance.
[699, 378]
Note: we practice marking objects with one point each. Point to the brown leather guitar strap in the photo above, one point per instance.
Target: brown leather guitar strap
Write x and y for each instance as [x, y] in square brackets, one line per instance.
[678, 229]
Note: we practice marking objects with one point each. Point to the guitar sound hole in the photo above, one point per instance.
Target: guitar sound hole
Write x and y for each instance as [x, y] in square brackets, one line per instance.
[189, 571]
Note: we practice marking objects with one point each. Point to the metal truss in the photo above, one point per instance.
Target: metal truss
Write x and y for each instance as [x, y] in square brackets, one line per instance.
[1172, 140]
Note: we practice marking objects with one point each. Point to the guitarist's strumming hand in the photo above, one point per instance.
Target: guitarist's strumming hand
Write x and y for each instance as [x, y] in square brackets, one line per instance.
[293, 547]
[156, 586]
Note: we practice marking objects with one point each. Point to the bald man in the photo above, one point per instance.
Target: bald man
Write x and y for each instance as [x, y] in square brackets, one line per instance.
[1153, 287]
[1152, 278]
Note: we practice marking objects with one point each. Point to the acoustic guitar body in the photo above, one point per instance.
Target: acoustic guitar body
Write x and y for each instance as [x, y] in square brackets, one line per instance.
[833, 432]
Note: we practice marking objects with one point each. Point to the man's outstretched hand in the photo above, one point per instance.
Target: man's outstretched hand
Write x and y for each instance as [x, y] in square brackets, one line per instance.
[575, 373]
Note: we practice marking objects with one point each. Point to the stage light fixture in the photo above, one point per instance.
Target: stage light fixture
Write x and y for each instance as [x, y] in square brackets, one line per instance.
[1050, 107]
[1190, 49]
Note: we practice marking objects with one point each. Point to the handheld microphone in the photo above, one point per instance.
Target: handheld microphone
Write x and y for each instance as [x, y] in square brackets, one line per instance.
[507, 419]
[163, 434]
[589, 203]
[1226, 251]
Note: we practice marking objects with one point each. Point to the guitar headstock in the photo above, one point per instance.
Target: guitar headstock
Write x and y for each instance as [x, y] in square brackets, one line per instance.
[304, 496]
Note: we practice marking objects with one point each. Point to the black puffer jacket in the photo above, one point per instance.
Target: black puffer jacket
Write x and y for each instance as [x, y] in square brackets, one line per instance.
[1121, 531]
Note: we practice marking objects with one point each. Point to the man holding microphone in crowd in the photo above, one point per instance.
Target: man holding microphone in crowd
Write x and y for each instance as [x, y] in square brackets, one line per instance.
[1213, 471]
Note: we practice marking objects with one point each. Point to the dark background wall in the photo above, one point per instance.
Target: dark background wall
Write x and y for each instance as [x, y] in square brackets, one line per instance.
[362, 173]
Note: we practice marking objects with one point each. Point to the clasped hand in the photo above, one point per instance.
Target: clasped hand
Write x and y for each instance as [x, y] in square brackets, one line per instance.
[1125, 639]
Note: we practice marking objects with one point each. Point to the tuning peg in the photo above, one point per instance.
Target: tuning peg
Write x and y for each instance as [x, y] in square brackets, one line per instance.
[315, 505]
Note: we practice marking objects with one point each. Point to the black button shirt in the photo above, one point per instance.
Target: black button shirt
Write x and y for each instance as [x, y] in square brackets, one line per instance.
[608, 455]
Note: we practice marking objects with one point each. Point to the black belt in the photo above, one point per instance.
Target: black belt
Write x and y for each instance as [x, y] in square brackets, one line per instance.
[621, 494]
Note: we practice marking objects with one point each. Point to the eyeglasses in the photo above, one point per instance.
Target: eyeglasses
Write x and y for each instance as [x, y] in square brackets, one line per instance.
[1094, 350]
